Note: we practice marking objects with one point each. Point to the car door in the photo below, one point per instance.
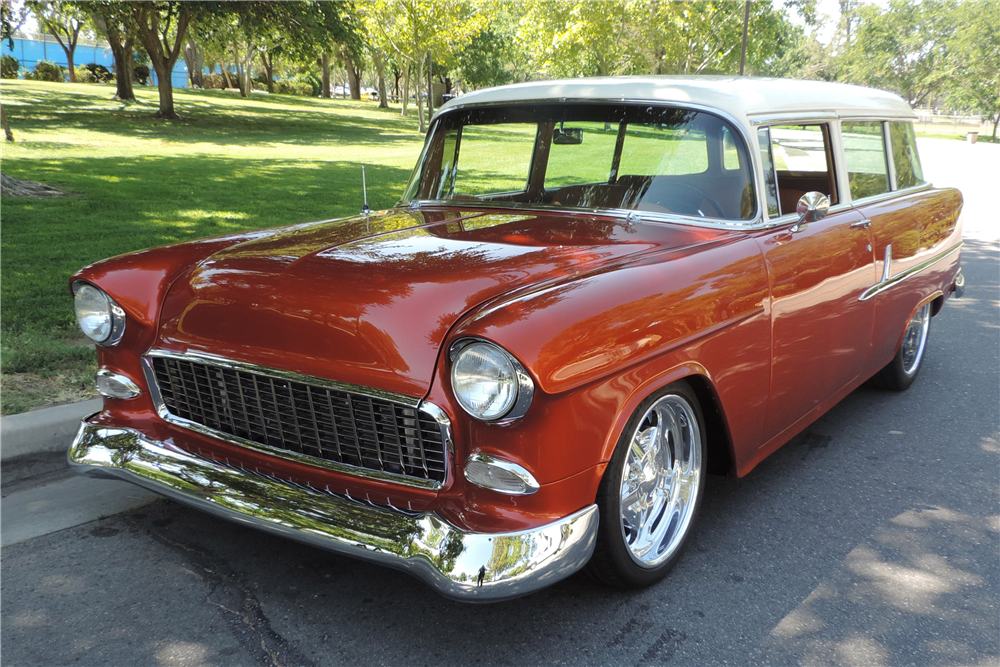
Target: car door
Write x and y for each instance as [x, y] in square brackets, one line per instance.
[820, 329]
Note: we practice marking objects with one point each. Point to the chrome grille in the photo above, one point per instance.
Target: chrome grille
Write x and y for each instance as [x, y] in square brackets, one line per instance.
[324, 423]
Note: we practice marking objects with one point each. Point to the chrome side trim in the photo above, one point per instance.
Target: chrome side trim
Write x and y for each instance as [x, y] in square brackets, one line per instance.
[437, 413]
[888, 282]
[463, 565]
[887, 264]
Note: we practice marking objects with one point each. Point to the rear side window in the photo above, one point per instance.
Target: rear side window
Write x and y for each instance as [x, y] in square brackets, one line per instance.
[904, 155]
[864, 152]
[803, 162]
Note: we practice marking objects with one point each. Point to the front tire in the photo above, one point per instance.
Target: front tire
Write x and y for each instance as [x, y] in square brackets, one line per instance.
[901, 372]
[651, 491]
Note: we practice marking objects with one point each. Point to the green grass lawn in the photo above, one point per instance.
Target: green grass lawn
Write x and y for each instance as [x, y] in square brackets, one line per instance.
[135, 182]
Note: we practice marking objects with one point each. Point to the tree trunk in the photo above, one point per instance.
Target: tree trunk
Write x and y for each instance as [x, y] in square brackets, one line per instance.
[406, 91]
[267, 60]
[124, 70]
[166, 88]
[69, 63]
[195, 61]
[6, 125]
[225, 75]
[161, 54]
[121, 48]
[240, 79]
[420, 97]
[380, 70]
[326, 76]
[353, 80]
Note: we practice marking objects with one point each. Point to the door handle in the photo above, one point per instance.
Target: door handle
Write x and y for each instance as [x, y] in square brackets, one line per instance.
[863, 224]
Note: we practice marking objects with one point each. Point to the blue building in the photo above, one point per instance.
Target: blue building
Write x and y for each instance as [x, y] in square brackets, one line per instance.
[30, 48]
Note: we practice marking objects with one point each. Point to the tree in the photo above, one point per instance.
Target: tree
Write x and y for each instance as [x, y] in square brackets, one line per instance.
[161, 27]
[412, 28]
[64, 21]
[974, 61]
[114, 21]
[901, 47]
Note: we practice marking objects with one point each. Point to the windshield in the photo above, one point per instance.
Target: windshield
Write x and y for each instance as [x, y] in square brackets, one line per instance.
[591, 156]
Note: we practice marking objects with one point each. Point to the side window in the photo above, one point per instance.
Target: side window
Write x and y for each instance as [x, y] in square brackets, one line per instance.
[770, 186]
[904, 155]
[864, 153]
[650, 149]
[803, 163]
[730, 154]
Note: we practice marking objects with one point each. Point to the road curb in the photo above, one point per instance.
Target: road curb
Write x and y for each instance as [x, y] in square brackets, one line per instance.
[41, 431]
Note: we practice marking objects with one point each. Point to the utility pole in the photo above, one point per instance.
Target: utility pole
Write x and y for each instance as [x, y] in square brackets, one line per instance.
[746, 27]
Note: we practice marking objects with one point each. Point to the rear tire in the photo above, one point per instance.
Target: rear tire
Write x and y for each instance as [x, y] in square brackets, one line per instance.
[901, 372]
[649, 497]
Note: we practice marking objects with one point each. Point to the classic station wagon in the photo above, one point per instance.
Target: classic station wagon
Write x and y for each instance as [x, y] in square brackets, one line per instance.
[593, 293]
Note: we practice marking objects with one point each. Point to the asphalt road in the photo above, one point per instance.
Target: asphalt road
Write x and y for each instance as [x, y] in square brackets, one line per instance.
[873, 538]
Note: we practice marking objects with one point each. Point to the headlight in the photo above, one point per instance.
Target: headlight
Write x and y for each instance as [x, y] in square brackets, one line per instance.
[100, 318]
[489, 383]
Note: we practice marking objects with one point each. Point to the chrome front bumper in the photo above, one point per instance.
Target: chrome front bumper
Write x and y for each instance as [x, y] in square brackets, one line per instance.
[445, 557]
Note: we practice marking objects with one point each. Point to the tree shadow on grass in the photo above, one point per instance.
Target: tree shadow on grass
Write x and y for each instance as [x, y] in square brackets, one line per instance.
[207, 120]
[124, 205]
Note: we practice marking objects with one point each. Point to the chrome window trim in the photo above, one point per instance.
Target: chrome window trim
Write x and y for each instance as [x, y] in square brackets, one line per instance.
[423, 406]
[889, 282]
[714, 223]
[889, 159]
[892, 194]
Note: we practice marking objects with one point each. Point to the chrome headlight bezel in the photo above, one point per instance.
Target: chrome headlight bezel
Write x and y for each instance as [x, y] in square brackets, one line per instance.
[523, 384]
[115, 314]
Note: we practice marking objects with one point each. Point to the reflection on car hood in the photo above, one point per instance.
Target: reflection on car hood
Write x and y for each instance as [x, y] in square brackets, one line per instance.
[369, 300]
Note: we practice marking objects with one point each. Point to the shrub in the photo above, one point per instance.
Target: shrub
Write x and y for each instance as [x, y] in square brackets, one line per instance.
[99, 73]
[83, 75]
[47, 71]
[141, 75]
[292, 87]
[9, 67]
[314, 81]
[214, 80]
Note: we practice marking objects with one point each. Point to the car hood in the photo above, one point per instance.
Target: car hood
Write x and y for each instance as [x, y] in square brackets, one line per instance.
[369, 300]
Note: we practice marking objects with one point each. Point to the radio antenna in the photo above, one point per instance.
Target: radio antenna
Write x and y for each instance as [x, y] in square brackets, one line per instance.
[364, 189]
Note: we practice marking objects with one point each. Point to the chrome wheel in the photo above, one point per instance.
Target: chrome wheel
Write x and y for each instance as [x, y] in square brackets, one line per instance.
[660, 481]
[915, 340]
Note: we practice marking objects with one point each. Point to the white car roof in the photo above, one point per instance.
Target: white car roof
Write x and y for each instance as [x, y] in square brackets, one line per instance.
[742, 97]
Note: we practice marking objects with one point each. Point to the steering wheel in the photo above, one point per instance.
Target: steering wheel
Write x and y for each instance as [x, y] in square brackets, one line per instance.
[679, 197]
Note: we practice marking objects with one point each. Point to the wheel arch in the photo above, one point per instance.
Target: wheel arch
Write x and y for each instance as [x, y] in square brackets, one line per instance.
[718, 441]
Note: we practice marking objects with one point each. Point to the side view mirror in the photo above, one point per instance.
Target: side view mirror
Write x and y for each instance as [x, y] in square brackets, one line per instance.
[811, 207]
